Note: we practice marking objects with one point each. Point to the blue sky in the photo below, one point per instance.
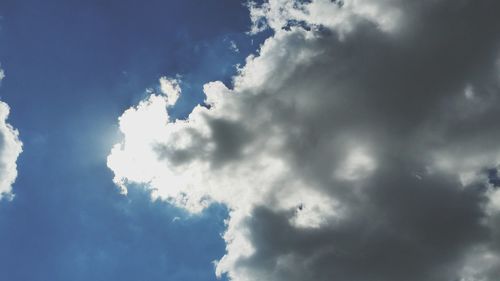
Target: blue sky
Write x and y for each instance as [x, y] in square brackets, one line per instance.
[73, 67]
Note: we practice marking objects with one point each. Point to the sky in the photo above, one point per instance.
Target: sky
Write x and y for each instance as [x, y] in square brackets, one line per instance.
[271, 140]
[71, 68]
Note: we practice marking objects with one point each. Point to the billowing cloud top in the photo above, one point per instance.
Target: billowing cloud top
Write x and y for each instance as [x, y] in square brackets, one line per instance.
[10, 148]
[359, 144]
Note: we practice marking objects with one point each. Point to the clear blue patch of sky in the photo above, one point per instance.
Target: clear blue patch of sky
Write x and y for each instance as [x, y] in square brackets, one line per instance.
[72, 68]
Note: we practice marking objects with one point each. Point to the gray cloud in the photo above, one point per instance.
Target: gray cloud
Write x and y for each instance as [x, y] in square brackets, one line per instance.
[352, 149]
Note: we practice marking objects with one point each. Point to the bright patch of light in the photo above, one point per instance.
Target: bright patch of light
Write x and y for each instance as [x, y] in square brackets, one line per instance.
[357, 165]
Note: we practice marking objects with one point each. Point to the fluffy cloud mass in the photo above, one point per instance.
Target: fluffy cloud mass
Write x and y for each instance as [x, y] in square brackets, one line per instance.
[360, 143]
[10, 148]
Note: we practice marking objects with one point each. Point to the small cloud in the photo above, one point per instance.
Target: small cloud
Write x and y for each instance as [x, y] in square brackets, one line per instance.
[170, 87]
[233, 47]
[10, 148]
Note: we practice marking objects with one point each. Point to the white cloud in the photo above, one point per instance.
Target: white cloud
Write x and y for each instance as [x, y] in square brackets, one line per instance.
[171, 89]
[10, 148]
[316, 149]
[339, 15]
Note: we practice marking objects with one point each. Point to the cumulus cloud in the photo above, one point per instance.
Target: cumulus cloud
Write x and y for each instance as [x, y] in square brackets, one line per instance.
[10, 148]
[360, 143]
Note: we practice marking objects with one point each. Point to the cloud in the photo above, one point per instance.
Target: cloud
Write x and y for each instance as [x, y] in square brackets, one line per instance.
[10, 148]
[171, 89]
[233, 47]
[355, 145]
